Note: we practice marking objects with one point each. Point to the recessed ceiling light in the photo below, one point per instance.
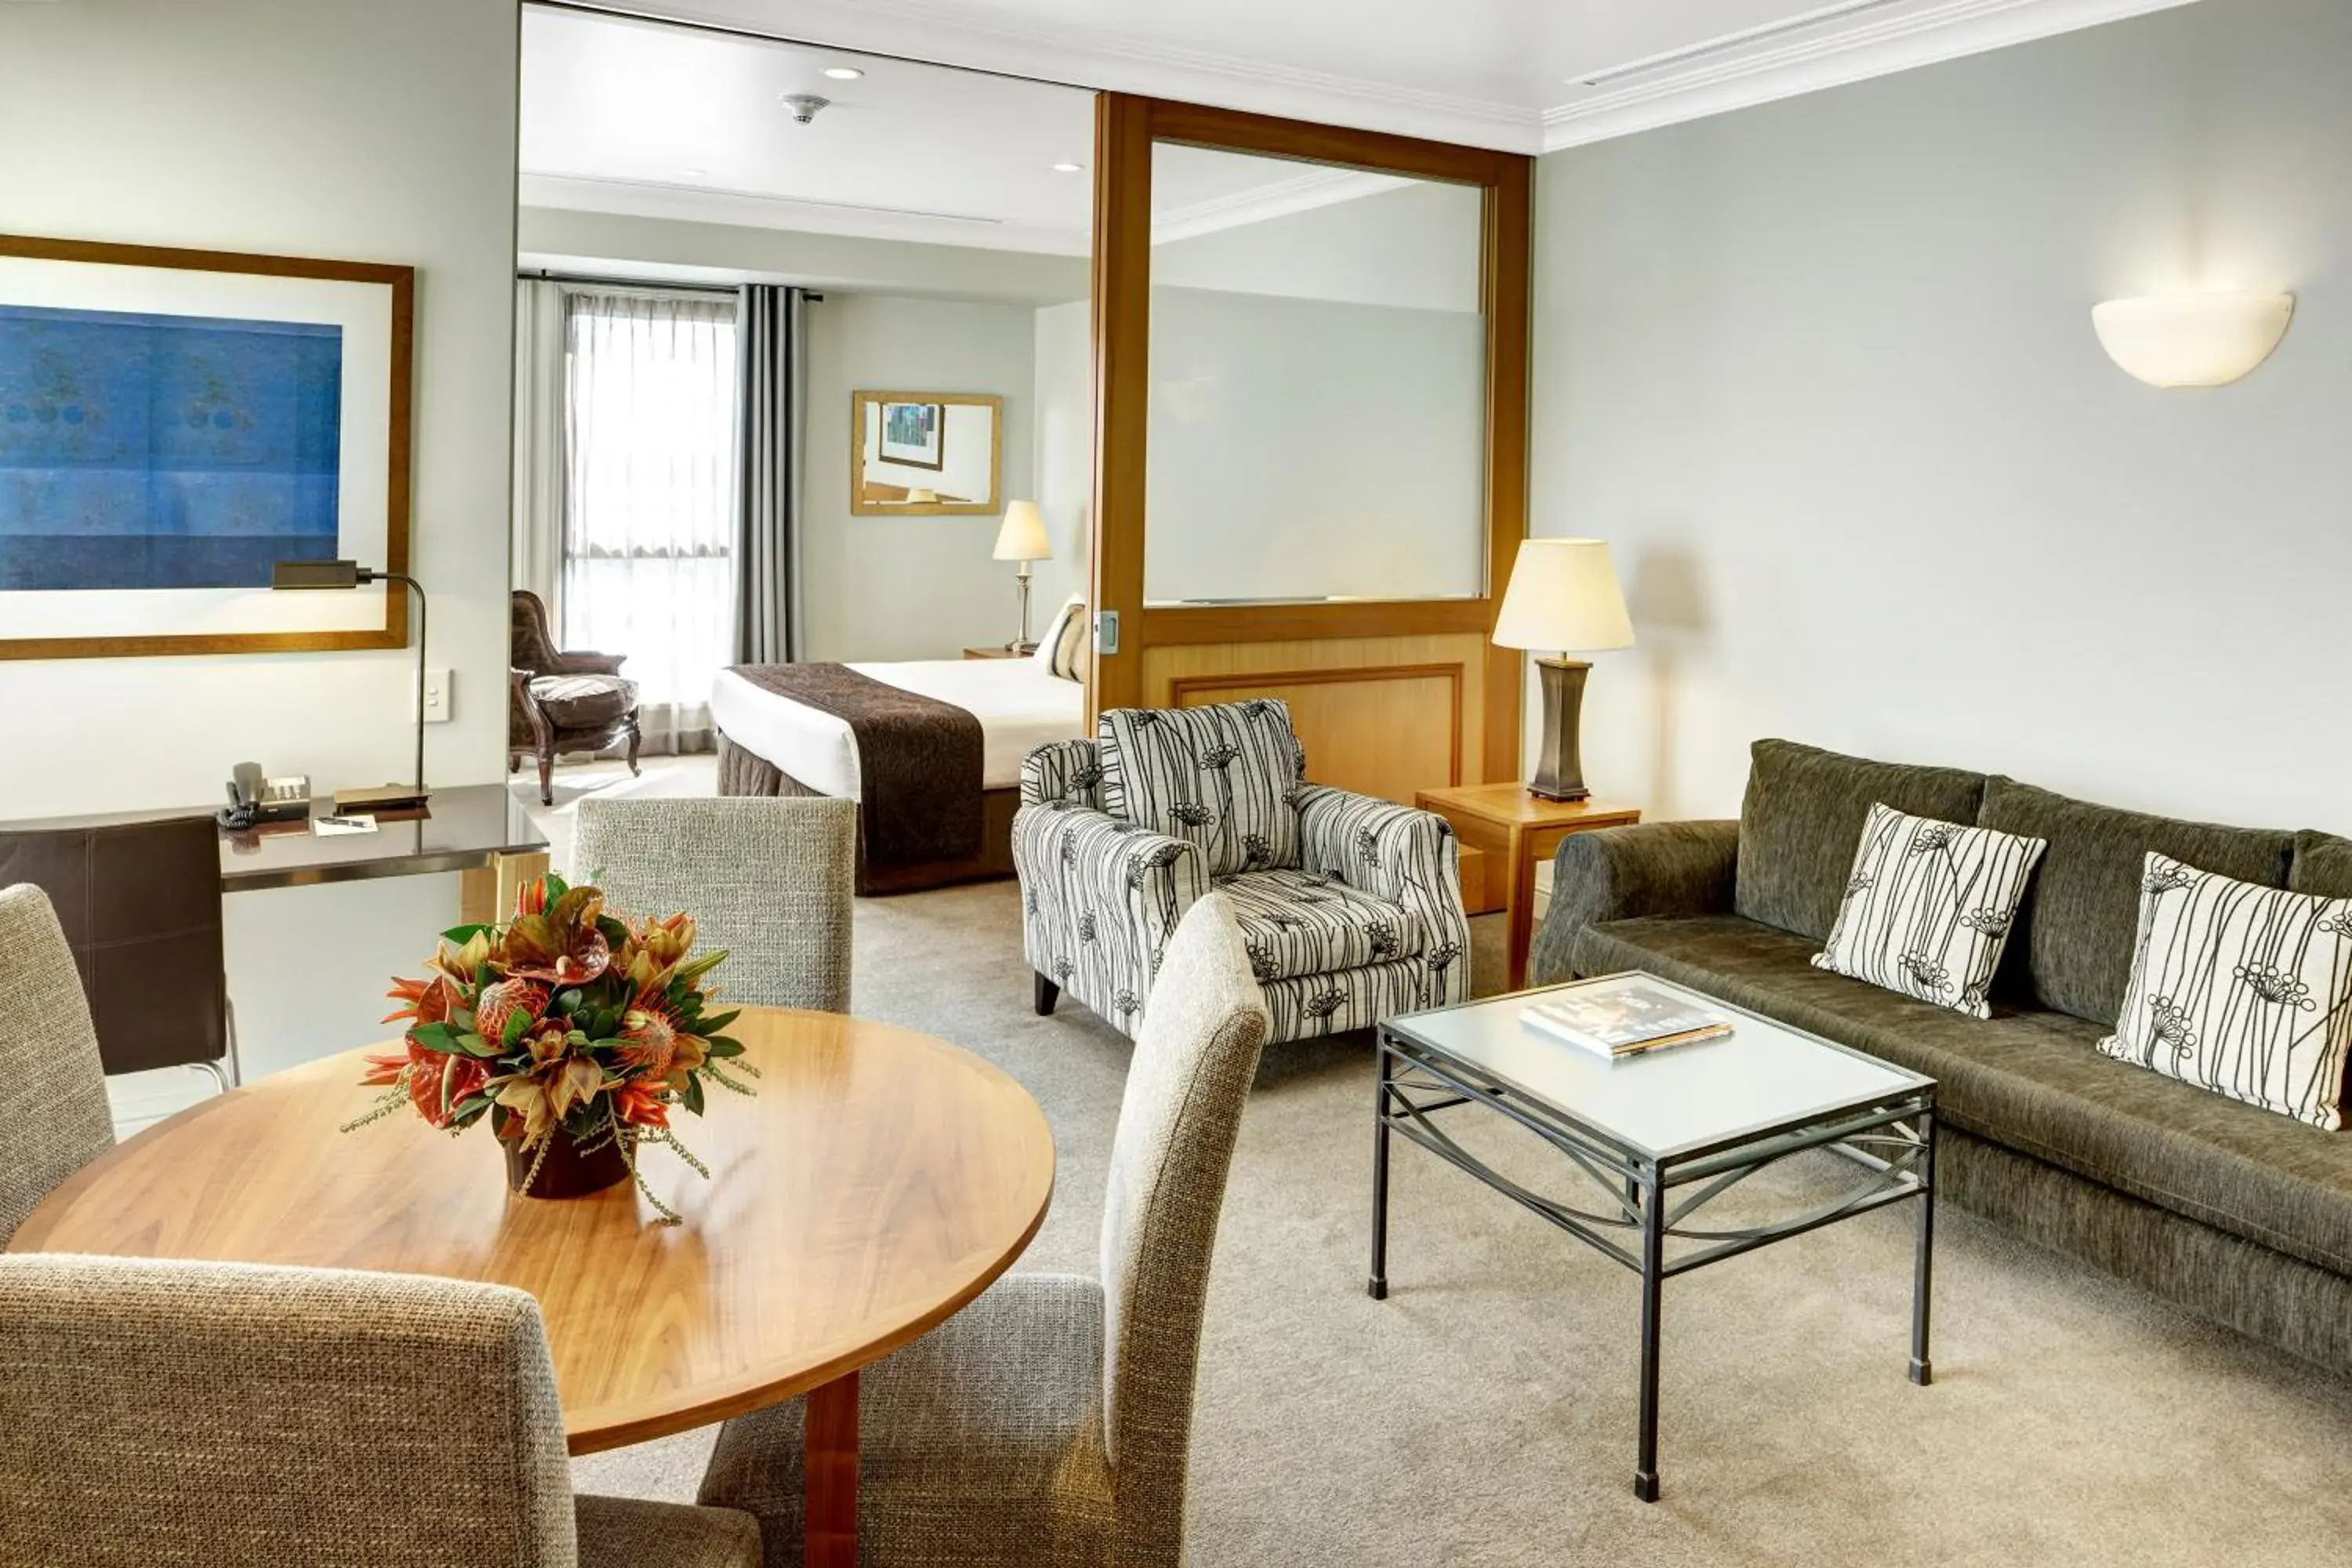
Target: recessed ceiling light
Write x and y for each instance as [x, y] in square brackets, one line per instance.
[1068, 168]
[844, 73]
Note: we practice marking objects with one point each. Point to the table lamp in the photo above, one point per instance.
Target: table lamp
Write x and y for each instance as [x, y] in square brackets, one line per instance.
[308, 574]
[1023, 539]
[1563, 594]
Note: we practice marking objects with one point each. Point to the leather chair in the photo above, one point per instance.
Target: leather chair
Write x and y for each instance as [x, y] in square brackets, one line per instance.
[140, 904]
[563, 702]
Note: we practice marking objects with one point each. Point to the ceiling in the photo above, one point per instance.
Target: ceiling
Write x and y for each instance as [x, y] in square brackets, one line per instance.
[632, 114]
[1511, 74]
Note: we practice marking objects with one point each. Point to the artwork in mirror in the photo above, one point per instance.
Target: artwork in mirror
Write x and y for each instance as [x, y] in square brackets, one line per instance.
[175, 422]
[1318, 398]
[925, 454]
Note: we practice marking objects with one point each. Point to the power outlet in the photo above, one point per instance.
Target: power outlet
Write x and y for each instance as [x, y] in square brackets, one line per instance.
[437, 696]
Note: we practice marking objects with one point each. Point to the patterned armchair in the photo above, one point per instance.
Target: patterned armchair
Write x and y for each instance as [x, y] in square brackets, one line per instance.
[1350, 907]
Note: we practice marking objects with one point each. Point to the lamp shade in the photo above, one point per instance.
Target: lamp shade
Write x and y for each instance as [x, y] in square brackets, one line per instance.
[1023, 537]
[2191, 339]
[1563, 595]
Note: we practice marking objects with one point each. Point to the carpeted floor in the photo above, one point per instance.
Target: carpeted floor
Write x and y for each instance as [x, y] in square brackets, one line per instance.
[1484, 1414]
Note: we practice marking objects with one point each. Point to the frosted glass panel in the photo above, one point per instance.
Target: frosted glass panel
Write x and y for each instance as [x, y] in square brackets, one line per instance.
[1318, 384]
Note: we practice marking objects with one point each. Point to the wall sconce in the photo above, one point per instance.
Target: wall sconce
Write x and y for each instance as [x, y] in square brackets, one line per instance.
[2191, 339]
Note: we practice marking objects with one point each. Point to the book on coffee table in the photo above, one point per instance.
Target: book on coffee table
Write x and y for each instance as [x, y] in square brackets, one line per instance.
[1623, 1020]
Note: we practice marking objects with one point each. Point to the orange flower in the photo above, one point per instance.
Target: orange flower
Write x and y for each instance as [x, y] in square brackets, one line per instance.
[563, 946]
[438, 1081]
[501, 1000]
[641, 1105]
[425, 1001]
[649, 1037]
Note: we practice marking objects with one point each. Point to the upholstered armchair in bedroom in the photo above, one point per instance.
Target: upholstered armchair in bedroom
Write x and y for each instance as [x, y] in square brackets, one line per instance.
[1350, 907]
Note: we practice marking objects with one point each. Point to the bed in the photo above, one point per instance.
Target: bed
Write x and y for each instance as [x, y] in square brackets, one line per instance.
[930, 748]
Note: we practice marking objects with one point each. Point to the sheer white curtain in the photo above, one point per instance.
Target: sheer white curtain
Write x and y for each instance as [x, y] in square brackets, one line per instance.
[648, 500]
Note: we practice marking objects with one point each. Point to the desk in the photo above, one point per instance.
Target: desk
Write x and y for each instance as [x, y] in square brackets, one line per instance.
[878, 1182]
[1522, 830]
[479, 831]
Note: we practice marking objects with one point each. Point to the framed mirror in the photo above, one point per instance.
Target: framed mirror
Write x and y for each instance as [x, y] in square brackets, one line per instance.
[925, 454]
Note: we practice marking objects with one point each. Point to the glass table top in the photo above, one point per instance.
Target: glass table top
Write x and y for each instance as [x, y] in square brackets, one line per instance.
[1761, 1077]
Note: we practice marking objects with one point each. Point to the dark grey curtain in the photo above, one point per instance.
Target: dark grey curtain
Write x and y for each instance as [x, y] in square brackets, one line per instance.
[769, 404]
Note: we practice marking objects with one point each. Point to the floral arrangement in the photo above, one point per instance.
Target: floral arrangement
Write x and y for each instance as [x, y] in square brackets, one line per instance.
[565, 1023]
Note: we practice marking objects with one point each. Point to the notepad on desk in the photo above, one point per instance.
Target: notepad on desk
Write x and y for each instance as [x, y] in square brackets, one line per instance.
[1623, 1020]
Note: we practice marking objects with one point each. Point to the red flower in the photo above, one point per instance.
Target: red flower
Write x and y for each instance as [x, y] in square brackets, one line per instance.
[425, 1001]
[563, 946]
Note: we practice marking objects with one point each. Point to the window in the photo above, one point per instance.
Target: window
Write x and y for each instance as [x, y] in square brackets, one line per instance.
[648, 506]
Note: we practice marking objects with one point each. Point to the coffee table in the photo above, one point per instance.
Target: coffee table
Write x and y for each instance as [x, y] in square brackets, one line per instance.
[1651, 1141]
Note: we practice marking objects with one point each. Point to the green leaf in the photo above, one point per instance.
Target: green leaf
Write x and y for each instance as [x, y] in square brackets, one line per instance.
[518, 1025]
[461, 935]
[700, 967]
[723, 1048]
[567, 1001]
[615, 932]
[461, 1019]
[713, 1026]
[434, 1037]
[694, 1093]
[556, 888]
[477, 1046]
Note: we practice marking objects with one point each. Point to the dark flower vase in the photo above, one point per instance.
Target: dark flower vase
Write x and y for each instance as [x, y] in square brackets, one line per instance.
[566, 1170]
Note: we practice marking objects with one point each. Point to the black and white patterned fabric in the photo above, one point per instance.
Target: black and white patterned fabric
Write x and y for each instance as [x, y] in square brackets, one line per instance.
[1222, 777]
[2240, 989]
[1366, 923]
[1928, 908]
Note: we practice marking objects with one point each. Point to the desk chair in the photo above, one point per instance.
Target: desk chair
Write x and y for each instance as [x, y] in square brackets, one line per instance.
[54, 1118]
[140, 904]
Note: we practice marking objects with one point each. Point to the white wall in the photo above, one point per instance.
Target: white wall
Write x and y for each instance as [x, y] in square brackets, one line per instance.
[913, 587]
[322, 128]
[1066, 449]
[1823, 373]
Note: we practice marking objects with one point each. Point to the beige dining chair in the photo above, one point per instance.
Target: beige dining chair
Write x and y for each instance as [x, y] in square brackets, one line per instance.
[1049, 1423]
[256, 1417]
[771, 881]
[53, 1117]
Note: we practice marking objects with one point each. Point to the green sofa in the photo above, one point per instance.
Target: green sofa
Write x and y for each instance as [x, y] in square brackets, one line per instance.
[2237, 1213]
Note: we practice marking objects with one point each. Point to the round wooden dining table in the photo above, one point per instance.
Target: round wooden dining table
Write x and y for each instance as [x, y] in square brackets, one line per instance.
[877, 1181]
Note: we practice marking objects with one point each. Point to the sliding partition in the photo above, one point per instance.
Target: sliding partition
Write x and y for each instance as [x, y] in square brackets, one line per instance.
[1311, 374]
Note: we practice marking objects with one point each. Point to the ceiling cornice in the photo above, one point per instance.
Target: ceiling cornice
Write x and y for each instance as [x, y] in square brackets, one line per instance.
[947, 35]
[757, 209]
[1871, 46]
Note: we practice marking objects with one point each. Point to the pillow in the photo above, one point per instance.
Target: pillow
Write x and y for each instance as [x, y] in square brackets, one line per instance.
[2240, 989]
[1225, 778]
[1070, 648]
[1927, 908]
[1048, 645]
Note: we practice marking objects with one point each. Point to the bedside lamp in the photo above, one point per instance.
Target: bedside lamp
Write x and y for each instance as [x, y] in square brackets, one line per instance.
[1023, 539]
[1563, 594]
[286, 575]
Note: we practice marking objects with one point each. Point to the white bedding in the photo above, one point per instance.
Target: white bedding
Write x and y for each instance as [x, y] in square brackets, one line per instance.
[1018, 704]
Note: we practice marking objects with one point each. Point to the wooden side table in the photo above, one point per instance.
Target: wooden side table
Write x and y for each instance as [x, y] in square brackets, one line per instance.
[1522, 830]
[997, 651]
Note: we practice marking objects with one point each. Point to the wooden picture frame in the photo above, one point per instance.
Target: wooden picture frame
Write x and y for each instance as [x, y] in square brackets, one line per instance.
[874, 487]
[382, 317]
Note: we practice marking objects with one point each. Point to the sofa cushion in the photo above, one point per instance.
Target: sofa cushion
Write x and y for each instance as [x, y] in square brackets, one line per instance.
[584, 702]
[1928, 908]
[1296, 923]
[2321, 864]
[1224, 777]
[1803, 816]
[2073, 946]
[2032, 1081]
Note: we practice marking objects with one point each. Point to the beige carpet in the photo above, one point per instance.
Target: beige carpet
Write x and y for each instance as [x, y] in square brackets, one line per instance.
[1484, 1414]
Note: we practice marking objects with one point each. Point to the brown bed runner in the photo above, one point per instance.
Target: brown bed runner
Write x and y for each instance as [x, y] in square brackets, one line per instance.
[918, 760]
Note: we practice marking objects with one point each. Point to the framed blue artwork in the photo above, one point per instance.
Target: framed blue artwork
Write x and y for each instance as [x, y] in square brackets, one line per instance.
[172, 423]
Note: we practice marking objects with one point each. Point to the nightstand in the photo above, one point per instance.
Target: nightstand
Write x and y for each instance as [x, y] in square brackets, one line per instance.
[1521, 830]
[999, 651]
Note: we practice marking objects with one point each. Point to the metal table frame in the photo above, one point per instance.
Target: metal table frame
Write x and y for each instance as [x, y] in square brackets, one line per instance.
[1646, 1200]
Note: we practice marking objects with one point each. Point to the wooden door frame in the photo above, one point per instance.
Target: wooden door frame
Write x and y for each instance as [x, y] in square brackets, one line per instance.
[1126, 129]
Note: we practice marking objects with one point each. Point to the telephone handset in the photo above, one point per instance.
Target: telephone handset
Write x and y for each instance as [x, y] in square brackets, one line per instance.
[254, 799]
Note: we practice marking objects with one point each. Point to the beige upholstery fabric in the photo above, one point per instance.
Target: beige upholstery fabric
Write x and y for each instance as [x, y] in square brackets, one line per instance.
[623, 1533]
[771, 881]
[1050, 1422]
[54, 1118]
[162, 1414]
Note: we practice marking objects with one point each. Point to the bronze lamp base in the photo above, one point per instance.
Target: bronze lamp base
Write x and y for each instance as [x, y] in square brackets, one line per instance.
[1559, 761]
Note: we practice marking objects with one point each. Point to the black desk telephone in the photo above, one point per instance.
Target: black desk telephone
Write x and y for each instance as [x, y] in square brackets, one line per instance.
[254, 799]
